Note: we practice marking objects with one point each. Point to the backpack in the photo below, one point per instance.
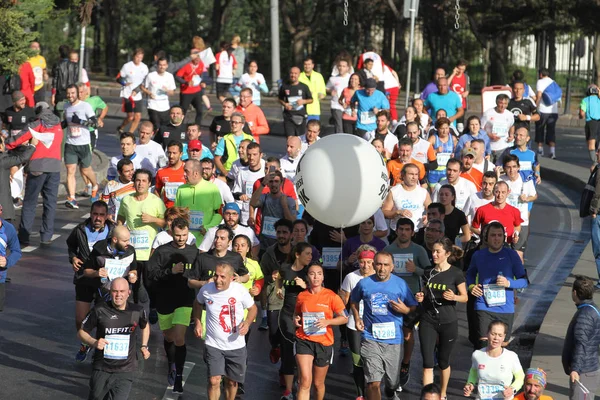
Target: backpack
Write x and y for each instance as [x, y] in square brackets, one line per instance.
[12, 84]
[587, 194]
[552, 94]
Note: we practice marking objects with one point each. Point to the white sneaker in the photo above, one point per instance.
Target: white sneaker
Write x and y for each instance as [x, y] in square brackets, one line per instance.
[540, 151]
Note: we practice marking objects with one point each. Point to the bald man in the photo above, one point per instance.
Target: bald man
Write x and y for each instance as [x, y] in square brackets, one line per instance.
[290, 161]
[294, 96]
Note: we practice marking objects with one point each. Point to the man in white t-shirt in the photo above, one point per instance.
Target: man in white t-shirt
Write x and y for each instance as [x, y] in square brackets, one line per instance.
[407, 200]
[422, 150]
[498, 123]
[545, 128]
[146, 148]
[243, 185]
[159, 85]
[482, 198]
[290, 161]
[225, 348]
[128, 150]
[231, 218]
[131, 77]
[481, 163]
[335, 86]
[383, 133]
[209, 173]
[463, 187]
[520, 195]
[79, 116]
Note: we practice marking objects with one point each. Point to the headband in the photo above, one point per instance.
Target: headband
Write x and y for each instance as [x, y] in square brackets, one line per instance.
[536, 374]
[366, 254]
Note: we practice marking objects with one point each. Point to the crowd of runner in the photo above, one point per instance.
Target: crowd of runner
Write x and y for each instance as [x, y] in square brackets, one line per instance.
[214, 237]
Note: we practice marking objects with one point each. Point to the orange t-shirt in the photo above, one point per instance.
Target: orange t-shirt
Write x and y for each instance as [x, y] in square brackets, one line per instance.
[474, 175]
[325, 302]
[167, 181]
[394, 168]
[521, 396]
[255, 118]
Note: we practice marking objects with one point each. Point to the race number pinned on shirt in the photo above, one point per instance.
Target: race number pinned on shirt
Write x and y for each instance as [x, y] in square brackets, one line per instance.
[500, 129]
[196, 80]
[117, 347]
[293, 100]
[526, 165]
[196, 220]
[116, 268]
[367, 117]
[442, 159]
[400, 264]
[379, 303]
[140, 239]
[331, 256]
[495, 295]
[384, 330]
[268, 228]
[309, 323]
[487, 391]
[74, 131]
[248, 189]
[513, 199]
[171, 190]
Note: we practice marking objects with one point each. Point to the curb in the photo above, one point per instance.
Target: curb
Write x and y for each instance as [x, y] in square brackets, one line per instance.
[100, 163]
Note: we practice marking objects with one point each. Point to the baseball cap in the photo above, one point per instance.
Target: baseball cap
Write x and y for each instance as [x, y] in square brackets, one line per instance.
[468, 151]
[195, 145]
[17, 95]
[232, 207]
[370, 83]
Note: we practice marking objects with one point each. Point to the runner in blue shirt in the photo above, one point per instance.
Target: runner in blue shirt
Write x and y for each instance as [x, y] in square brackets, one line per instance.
[447, 100]
[530, 166]
[368, 102]
[10, 253]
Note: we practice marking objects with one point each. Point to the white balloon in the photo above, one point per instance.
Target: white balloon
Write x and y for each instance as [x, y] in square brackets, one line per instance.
[342, 180]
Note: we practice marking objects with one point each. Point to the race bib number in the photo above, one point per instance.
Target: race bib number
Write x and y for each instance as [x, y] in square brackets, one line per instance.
[293, 100]
[171, 190]
[249, 189]
[361, 308]
[116, 268]
[331, 256]
[268, 228]
[196, 220]
[384, 330]
[309, 322]
[140, 240]
[400, 264]
[196, 80]
[367, 117]
[526, 165]
[74, 131]
[486, 391]
[379, 303]
[494, 295]
[442, 159]
[500, 129]
[513, 200]
[117, 347]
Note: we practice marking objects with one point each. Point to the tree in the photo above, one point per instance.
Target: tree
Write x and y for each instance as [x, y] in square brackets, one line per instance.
[301, 19]
[16, 20]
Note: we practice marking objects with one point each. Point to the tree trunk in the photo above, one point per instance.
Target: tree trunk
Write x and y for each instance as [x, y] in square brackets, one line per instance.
[299, 44]
[216, 22]
[552, 53]
[486, 63]
[388, 28]
[112, 31]
[193, 14]
[401, 46]
[162, 10]
[96, 50]
[498, 56]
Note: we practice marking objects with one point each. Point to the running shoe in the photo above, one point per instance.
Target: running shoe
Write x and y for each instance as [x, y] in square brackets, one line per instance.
[553, 156]
[153, 316]
[344, 349]
[404, 374]
[540, 151]
[287, 396]
[263, 325]
[241, 389]
[83, 352]
[71, 203]
[275, 355]
[178, 384]
[171, 375]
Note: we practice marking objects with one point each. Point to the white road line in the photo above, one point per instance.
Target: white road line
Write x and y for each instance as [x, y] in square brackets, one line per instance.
[85, 216]
[69, 227]
[187, 369]
[28, 249]
[54, 237]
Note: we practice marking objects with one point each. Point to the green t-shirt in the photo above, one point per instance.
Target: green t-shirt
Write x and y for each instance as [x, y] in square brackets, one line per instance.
[415, 253]
[204, 201]
[142, 235]
[97, 104]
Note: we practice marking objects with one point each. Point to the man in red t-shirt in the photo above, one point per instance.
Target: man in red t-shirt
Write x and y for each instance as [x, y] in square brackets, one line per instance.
[169, 178]
[191, 85]
[287, 188]
[499, 210]
[459, 83]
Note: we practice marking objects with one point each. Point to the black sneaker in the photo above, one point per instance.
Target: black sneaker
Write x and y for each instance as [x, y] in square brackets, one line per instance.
[178, 385]
[153, 316]
[241, 389]
[404, 374]
[171, 375]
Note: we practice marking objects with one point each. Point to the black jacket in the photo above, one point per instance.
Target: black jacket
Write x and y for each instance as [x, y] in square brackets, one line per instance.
[97, 259]
[580, 351]
[77, 243]
[64, 73]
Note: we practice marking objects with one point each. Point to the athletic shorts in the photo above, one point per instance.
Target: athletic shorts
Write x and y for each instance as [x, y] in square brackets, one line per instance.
[85, 293]
[323, 355]
[130, 106]
[410, 320]
[484, 318]
[78, 154]
[223, 89]
[523, 236]
[231, 363]
[381, 360]
[592, 130]
[180, 316]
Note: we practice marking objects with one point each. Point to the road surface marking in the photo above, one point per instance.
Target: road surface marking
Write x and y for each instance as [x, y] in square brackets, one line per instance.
[187, 369]
[69, 227]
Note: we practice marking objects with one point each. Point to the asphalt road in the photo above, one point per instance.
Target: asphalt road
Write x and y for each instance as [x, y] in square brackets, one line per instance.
[38, 341]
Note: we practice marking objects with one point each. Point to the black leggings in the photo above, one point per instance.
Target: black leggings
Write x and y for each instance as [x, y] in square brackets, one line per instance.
[288, 341]
[195, 99]
[273, 323]
[358, 373]
[429, 331]
[349, 126]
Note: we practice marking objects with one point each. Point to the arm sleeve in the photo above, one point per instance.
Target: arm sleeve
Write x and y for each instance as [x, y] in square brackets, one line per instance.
[154, 270]
[17, 157]
[519, 375]
[176, 66]
[259, 283]
[262, 126]
[473, 376]
[72, 245]
[581, 335]
[90, 321]
[519, 281]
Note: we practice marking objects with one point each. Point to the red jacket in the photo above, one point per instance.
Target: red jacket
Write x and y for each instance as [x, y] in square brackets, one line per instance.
[27, 82]
[186, 73]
